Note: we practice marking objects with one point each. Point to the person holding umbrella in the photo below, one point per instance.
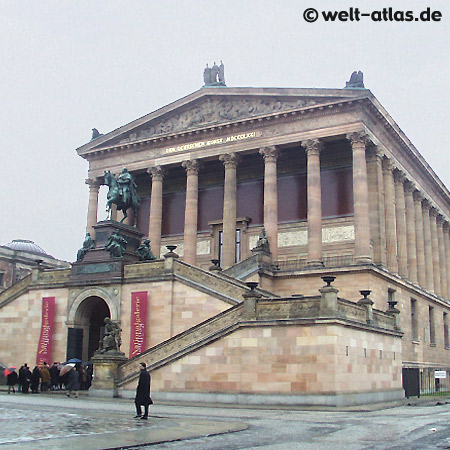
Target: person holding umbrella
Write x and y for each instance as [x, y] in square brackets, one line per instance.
[143, 393]
[11, 379]
[73, 379]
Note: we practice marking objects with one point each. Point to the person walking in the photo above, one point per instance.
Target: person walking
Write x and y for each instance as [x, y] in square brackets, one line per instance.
[35, 379]
[73, 383]
[143, 393]
[11, 380]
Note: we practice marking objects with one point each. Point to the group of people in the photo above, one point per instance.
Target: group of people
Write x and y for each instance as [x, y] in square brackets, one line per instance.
[74, 380]
[43, 378]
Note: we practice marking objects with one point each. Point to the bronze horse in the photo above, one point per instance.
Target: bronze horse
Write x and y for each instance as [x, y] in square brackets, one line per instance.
[114, 197]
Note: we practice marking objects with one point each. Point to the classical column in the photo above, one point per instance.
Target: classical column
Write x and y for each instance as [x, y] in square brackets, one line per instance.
[155, 222]
[191, 211]
[435, 252]
[270, 155]
[400, 222]
[411, 249]
[420, 242]
[428, 249]
[389, 215]
[360, 197]
[314, 193]
[376, 202]
[230, 161]
[94, 187]
[442, 255]
[446, 228]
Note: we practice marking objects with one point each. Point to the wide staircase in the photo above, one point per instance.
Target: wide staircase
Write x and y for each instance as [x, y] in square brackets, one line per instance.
[180, 345]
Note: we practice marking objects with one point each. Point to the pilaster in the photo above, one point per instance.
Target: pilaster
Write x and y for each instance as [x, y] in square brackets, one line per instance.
[411, 240]
[428, 246]
[420, 241]
[435, 252]
[400, 219]
[442, 255]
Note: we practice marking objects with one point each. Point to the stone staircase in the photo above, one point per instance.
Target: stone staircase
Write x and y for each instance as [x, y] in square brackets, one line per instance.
[182, 344]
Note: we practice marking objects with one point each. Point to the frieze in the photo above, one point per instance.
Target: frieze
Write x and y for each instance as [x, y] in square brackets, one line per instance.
[214, 111]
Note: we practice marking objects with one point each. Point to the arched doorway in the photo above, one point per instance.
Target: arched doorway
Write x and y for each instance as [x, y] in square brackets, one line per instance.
[83, 339]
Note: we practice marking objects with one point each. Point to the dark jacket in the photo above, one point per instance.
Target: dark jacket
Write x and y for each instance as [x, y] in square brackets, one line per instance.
[12, 379]
[143, 389]
[54, 375]
[73, 380]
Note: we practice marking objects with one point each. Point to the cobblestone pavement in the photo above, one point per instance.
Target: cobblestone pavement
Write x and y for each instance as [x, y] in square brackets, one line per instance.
[54, 421]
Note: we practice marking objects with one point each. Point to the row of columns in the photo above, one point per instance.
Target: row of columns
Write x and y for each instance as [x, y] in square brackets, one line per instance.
[409, 235]
[270, 154]
[395, 226]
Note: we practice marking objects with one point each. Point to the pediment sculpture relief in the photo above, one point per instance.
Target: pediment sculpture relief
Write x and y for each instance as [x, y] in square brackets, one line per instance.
[214, 111]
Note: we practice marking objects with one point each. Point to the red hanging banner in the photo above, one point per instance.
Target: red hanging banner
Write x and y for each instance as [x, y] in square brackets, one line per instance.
[44, 352]
[138, 322]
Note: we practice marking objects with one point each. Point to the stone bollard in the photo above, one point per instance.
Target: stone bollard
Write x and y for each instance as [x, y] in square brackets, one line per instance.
[169, 257]
[368, 305]
[395, 313]
[250, 301]
[328, 301]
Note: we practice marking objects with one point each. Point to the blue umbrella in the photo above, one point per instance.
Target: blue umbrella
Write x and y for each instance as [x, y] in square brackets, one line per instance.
[74, 360]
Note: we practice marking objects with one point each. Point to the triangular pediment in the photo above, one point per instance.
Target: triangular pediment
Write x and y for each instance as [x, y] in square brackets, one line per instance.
[215, 106]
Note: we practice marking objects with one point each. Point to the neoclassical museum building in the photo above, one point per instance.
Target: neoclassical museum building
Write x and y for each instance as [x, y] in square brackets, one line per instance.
[301, 249]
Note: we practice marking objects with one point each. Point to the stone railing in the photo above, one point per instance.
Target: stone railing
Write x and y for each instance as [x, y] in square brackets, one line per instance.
[144, 269]
[15, 290]
[53, 276]
[218, 285]
[243, 268]
[181, 344]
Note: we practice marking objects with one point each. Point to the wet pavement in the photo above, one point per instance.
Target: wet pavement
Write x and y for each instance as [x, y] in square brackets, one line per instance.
[53, 421]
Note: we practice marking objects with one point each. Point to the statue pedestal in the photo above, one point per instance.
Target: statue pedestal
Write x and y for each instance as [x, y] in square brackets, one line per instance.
[105, 373]
[98, 262]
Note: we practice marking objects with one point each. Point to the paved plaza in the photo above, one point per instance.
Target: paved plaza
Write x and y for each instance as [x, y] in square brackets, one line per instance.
[53, 421]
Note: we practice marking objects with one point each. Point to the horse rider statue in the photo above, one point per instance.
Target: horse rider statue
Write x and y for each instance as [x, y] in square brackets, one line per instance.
[122, 193]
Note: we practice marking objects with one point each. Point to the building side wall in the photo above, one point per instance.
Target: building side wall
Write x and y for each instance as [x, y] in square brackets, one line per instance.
[22, 319]
[287, 360]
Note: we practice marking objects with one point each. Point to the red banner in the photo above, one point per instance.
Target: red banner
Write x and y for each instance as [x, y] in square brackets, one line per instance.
[44, 352]
[138, 322]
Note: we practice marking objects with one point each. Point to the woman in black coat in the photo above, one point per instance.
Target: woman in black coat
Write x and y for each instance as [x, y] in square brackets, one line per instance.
[35, 379]
[73, 383]
[11, 380]
[143, 393]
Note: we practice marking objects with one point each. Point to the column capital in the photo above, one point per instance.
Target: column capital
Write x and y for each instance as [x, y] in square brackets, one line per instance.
[358, 137]
[312, 146]
[440, 219]
[270, 154]
[192, 166]
[157, 173]
[93, 183]
[230, 159]
[409, 186]
[388, 164]
[446, 225]
[433, 212]
[426, 203]
[418, 196]
[399, 176]
[375, 153]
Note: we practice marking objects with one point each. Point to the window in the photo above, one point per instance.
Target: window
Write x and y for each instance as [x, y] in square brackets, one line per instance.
[432, 327]
[446, 342]
[414, 324]
[237, 250]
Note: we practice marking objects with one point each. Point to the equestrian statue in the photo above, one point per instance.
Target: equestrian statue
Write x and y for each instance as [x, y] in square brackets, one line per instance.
[122, 193]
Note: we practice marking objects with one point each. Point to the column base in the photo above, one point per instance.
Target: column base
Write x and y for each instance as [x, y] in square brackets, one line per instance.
[363, 260]
[314, 264]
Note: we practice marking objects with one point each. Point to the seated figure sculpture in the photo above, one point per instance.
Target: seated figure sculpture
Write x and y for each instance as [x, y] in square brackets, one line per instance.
[111, 340]
[144, 251]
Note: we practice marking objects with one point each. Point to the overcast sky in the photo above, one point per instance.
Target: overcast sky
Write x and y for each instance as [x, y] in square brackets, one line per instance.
[69, 66]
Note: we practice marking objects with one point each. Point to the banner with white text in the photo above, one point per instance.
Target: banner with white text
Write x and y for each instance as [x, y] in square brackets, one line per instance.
[138, 322]
[44, 352]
